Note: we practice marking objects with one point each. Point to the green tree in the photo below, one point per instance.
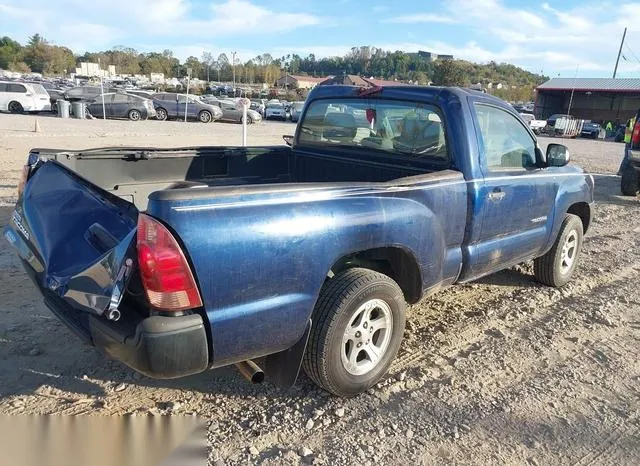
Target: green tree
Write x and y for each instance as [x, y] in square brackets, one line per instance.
[449, 73]
[36, 53]
[11, 52]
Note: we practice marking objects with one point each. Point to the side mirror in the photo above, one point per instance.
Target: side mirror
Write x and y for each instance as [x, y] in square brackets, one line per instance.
[288, 140]
[541, 159]
[557, 155]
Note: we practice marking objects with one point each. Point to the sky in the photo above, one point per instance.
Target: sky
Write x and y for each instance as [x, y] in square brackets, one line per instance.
[558, 38]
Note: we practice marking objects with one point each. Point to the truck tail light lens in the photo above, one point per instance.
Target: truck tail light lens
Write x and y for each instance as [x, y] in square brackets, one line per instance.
[635, 137]
[164, 270]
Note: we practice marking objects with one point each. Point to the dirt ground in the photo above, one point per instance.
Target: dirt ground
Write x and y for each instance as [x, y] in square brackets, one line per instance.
[501, 371]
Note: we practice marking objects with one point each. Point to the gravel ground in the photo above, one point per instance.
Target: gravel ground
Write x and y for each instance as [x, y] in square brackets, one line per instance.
[500, 371]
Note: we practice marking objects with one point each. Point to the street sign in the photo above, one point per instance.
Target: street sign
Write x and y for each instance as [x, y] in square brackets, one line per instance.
[242, 103]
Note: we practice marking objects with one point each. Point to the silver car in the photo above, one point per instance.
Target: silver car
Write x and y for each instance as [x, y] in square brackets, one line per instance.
[275, 111]
[296, 110]
[231, 113]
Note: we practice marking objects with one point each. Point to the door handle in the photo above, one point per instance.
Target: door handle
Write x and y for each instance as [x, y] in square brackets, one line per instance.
[497, 195]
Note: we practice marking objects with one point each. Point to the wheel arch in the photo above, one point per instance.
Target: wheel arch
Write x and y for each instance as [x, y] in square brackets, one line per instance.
[395, 262]
[582, 210]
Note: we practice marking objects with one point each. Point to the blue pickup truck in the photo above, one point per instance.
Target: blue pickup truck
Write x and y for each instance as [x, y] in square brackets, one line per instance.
[175, 261]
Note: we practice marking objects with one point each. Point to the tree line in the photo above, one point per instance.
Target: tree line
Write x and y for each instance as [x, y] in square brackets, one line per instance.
[38, 55]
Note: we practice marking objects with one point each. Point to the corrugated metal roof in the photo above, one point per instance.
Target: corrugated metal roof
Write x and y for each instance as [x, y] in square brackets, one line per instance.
[593, 84]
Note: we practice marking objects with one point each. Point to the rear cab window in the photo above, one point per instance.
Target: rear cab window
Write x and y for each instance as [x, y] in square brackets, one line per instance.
[411, 129]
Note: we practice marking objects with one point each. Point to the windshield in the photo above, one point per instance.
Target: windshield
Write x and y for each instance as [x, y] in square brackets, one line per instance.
[277, 106]
[393, 126]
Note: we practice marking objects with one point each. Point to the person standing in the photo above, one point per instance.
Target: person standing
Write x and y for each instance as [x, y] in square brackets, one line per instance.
[628, 132]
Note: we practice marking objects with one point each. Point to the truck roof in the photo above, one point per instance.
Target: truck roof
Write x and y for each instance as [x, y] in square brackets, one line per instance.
[405, 91]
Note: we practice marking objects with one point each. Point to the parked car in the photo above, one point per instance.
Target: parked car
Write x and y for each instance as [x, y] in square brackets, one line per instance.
[17, 97]
[55, 93]
[537, 126]
[172, 105]
[86, 93]
[121, 105]
[296, 110]
[193, 259]
[231, 113]
[140, 93]
[590, 130]
[275, 110]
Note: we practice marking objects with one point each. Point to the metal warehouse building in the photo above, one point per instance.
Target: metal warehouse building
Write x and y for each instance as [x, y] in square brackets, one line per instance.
[597, 99]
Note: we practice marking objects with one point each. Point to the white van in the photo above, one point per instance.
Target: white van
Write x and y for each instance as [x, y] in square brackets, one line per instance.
[16, 97]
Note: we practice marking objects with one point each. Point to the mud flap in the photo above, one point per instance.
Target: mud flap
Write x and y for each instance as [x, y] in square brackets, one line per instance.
[283, 367]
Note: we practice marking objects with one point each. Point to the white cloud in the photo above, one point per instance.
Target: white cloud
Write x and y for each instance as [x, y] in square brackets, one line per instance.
[546, 36]
[87, 25]
[422, 18]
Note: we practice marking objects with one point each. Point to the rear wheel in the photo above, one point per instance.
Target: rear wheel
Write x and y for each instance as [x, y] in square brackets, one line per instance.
[357, 328]
[204, 116]
[15, 107]
[556, 267]
[630, 181]
[161, 114]
[135, 115]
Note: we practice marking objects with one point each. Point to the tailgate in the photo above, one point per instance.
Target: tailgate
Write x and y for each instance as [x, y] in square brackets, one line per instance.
[77, 239]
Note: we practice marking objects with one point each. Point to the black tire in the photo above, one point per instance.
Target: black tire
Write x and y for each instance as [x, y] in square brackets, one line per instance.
[552, 268]
[134, 115]
[629, 182]
[249, 120]
[205, 116]
[341, 297]
[161, 114]
[15, 107]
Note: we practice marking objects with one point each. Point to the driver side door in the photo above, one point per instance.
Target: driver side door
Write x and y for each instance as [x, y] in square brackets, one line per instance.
[516, 199]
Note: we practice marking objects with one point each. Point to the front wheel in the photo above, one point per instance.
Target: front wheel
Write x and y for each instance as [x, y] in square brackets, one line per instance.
[556, 267]
[357, 328]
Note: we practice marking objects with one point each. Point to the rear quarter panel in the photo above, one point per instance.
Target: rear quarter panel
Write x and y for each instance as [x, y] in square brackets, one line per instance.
[261, 260]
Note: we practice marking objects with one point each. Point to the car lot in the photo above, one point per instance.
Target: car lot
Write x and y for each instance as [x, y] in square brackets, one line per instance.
[498, 371]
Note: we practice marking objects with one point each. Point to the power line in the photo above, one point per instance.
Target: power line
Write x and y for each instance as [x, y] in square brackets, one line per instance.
[632, 53]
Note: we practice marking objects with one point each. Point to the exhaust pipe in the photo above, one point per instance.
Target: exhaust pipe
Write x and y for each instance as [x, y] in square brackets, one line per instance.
[250, 371]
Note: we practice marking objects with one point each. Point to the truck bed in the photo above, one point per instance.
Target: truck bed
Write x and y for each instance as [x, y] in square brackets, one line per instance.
[133, 174]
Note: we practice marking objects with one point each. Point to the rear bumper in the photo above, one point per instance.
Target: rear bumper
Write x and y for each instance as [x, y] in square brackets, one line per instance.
[158, 346]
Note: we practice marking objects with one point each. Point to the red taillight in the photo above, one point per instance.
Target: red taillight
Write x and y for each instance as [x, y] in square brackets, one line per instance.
[165, 272]
[635, 137]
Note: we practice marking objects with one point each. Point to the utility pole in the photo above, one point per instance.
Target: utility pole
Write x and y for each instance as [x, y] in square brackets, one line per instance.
[615, 70]
[233, 66]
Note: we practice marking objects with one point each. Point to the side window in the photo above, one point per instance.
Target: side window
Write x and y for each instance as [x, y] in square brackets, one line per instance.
[182, 99]
[507, 144]
[3, 87]
[12, 87]
[121, 98]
